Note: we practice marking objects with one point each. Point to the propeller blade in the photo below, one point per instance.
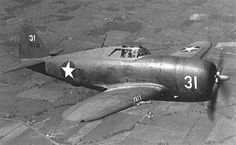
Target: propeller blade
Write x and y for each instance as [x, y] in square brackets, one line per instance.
[221, 61]
[219, 83]
[212, 104]
[224, 91]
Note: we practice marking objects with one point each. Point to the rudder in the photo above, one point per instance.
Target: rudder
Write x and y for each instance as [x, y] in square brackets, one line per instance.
[30, 45]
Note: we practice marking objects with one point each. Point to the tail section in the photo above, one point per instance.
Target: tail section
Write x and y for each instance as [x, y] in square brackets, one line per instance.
[31, 46]
[31, 50]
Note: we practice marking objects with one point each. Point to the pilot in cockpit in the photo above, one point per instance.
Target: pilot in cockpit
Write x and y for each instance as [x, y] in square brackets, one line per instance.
[132, 52]
[126, 53]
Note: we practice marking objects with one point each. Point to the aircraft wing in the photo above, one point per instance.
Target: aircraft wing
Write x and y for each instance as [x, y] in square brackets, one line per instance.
[111, 101]
[204, 47]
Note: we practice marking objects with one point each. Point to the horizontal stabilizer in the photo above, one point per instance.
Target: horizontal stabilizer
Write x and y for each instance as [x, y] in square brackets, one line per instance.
[56, 52]
[23, 64]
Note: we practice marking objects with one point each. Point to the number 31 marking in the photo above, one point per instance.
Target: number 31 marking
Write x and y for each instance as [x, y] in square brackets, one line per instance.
[191, 82]
[31, 37]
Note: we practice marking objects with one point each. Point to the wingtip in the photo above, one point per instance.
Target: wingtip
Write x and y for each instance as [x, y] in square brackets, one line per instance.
[72, 114]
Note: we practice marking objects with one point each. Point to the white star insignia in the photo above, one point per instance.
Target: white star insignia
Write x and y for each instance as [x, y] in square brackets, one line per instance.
[68, 70]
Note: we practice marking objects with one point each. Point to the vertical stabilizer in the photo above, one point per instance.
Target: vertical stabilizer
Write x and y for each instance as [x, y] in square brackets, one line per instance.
[30, 45]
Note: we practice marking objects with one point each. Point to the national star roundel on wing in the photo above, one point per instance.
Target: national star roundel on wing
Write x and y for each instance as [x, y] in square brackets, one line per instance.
[68, 69]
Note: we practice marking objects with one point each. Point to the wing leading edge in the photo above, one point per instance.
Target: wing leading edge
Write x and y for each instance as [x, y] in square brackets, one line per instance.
[111, 101]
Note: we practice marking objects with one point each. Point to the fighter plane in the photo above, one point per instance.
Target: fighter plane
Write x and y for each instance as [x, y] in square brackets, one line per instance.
[125, 75]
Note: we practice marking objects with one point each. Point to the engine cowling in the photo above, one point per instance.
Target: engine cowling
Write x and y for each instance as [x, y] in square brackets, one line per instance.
[188, 79]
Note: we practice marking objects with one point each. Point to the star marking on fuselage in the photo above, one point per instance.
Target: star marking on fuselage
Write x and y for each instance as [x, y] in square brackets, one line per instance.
[68, 70]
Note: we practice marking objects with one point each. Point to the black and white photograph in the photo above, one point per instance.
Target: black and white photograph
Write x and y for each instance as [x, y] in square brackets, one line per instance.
[117, 72]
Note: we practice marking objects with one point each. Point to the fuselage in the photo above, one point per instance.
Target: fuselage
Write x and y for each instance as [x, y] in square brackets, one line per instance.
[185, 79]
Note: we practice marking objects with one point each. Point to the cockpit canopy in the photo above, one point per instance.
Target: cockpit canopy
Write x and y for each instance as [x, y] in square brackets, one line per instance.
[130, 52]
